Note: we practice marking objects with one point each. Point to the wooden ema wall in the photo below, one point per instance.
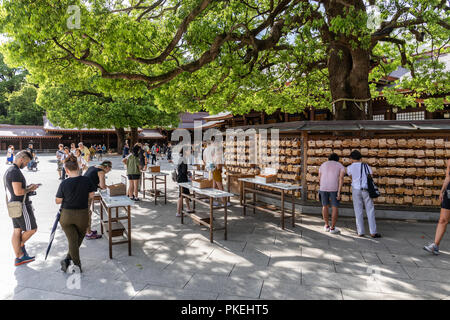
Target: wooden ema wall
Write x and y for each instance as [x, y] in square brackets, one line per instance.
[409, 169]
[237, 159]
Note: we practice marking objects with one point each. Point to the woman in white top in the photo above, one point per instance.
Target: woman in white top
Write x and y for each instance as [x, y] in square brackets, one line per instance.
[73, 149]
[82, 164]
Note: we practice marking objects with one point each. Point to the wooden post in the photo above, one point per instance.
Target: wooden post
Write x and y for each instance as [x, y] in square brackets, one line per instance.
[107, 141]
[312, 114]
[304, 165]
[20, 144]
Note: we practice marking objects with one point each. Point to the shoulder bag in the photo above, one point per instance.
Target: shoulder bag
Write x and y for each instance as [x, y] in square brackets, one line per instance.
[15, 208]
[371, 187]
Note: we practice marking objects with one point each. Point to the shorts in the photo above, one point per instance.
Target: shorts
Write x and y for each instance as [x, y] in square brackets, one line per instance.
[27, 221]
[60, 165]
[185, 190]
[446, 202]
[217, 175]
[134, 176]
[326, 196]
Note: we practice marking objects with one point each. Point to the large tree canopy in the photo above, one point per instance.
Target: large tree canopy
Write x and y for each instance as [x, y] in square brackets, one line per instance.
[22, 108]
[232, 54]
[70, 108]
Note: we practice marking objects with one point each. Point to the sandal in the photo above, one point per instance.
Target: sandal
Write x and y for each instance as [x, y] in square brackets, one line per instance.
[376, 235]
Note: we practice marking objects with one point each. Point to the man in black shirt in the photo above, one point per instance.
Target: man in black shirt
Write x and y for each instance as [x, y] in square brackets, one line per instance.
[24, 226]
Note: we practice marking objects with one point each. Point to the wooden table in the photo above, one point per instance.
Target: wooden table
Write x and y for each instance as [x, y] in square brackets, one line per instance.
[113, 225]
[205, 197]
[233, 181]
[155, 178]
[254, 187]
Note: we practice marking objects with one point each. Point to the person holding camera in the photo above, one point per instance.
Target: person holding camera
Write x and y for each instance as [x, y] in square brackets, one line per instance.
[24, 226]
[74, 194]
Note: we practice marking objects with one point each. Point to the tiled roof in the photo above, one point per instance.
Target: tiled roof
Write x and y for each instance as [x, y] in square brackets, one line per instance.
[151, 134]
[15, 131]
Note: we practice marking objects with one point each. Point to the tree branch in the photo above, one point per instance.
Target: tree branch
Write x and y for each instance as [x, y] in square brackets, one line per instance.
[181, 30]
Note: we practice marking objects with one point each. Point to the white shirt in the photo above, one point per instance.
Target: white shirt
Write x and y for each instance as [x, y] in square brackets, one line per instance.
[354, 170]
[81, 162]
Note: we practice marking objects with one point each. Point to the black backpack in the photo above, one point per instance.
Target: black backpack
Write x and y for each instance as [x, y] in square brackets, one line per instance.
[371, 187]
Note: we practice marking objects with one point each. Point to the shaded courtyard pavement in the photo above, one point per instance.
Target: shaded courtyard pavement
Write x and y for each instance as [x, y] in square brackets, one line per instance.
[258, 261]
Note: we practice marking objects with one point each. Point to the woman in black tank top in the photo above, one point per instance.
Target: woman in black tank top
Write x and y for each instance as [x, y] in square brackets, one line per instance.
[97, 176]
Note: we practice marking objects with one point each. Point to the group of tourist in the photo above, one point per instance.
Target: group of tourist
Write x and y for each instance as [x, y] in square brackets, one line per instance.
[10, 156]
[212, 159]
[331, 176]
[75, 195]
[76, 192]
[83, 155]
[151, 153]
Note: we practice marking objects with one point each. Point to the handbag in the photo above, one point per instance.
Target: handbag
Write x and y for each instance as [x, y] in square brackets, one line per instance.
[15, 208]
[371, 187]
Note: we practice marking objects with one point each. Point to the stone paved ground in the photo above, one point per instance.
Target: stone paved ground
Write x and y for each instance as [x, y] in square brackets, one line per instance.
[259, 261]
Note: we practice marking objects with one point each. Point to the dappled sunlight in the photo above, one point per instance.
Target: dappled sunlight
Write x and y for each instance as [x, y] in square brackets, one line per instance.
[171, 260]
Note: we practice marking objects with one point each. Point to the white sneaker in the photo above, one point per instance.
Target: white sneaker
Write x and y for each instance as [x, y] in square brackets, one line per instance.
[334, 231]
[434, 249]
[74, 269]
[326, 228]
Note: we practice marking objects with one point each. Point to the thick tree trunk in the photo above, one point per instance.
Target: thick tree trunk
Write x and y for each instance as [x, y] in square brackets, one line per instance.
[348, 70]
[120, 132]
[134, 136]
